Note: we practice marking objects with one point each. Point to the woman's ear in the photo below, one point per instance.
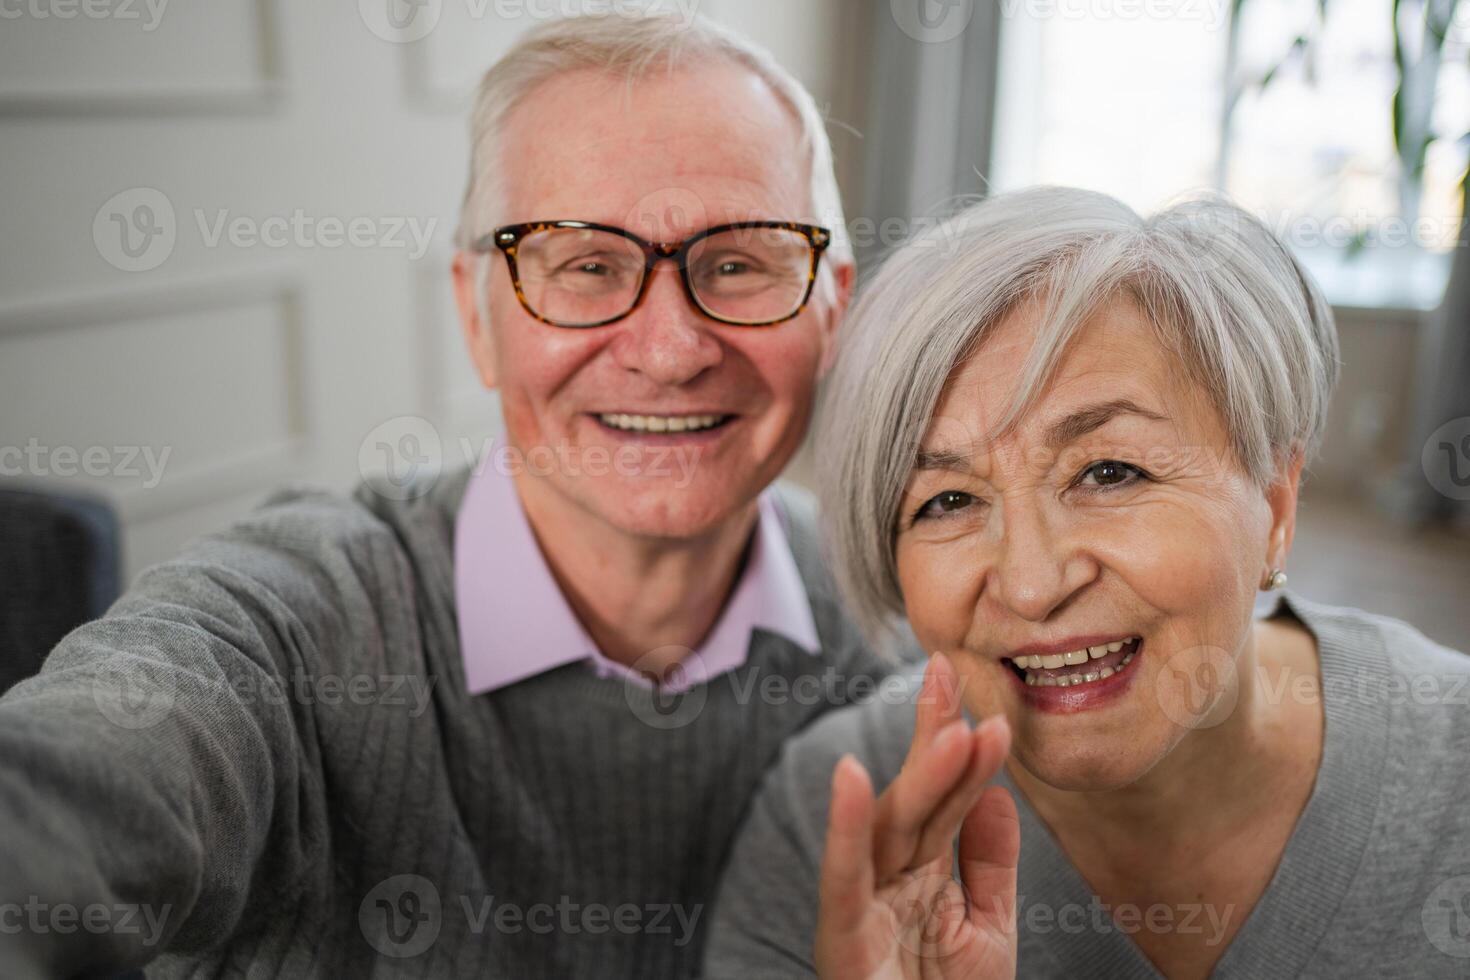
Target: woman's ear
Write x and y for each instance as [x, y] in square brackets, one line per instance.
[1281, 496]
[470, 303]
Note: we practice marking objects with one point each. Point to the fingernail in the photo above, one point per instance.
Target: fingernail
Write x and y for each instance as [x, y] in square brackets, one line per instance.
[954, 730]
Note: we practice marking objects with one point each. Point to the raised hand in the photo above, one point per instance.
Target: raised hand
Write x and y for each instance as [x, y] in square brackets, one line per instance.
[890, 906]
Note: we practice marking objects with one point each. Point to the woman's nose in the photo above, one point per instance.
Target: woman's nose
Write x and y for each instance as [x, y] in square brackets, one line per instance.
[1037, 569]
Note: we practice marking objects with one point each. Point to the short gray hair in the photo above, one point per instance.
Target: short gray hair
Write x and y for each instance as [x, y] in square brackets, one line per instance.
[1247, 322]
[632, 46]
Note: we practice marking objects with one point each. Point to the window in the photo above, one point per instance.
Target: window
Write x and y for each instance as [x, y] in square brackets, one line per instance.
[1139, 106]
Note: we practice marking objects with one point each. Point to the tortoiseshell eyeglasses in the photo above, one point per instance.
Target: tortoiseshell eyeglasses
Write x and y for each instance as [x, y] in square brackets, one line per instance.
[579, 274]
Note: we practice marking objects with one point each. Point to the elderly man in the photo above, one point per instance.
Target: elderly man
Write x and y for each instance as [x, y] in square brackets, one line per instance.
[505, 727]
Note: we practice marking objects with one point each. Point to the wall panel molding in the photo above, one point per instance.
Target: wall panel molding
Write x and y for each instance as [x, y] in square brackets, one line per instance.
[259, 466]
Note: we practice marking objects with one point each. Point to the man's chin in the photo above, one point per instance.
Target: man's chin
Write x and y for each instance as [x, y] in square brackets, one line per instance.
[669, 512]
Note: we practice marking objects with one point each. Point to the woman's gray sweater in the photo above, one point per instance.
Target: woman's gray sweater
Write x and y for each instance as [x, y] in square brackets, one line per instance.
[1374, 881]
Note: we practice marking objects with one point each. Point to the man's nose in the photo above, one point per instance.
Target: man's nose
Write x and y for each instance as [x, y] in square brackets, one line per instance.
[666, 339]
[1038, 569]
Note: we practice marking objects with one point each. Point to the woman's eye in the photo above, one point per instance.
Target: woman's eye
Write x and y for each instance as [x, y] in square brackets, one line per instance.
[1109, 473]
[945, 503]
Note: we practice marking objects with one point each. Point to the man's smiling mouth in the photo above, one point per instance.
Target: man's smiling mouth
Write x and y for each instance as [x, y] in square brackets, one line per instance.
[662, 423]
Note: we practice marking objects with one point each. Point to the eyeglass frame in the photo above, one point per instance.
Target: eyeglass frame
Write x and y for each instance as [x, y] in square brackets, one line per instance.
[507, 239]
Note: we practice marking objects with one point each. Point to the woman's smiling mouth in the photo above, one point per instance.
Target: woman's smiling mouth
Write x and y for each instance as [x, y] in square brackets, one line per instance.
[1076, 679]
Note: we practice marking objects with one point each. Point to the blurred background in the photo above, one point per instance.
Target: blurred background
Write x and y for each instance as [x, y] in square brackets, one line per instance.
[228, 226]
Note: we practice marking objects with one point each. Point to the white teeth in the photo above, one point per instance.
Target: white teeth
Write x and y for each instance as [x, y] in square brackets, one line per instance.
[660, 423]
[1053, 661]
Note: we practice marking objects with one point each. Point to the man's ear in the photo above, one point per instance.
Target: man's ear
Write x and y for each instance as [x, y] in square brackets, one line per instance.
[1282, 498]
[476, 332]
[843, 275]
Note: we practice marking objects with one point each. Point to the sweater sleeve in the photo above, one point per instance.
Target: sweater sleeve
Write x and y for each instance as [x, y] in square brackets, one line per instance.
[159, 776]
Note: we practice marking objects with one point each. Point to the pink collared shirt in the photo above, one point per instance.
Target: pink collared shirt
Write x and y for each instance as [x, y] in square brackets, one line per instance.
[514, 622]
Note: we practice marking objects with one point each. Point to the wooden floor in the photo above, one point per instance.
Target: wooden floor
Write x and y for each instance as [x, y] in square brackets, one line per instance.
[1346, 555]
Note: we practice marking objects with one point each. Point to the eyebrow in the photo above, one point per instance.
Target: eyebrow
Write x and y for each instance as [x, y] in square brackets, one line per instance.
[1067, 429]
[1079, 423]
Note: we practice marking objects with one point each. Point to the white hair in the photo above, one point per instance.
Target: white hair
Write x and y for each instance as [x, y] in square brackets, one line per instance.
[1243, 319]
[632, 46]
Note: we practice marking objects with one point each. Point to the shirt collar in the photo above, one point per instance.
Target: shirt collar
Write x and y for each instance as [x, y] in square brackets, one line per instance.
[515, 623]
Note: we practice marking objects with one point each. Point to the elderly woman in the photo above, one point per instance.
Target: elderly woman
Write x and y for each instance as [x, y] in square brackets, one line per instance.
[1067, 442]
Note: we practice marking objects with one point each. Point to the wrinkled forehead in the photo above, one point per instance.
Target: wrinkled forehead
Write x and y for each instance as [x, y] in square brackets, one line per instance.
[1021, 378]
[663, 155]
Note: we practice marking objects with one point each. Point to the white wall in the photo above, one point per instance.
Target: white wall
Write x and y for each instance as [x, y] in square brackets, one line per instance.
[236, 365]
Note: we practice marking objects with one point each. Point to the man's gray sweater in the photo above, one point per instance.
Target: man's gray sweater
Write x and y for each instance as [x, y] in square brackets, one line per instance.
[263, 762]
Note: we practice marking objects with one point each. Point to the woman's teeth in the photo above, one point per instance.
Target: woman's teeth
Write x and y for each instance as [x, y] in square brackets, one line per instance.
[1033, 665]
[661, 423]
